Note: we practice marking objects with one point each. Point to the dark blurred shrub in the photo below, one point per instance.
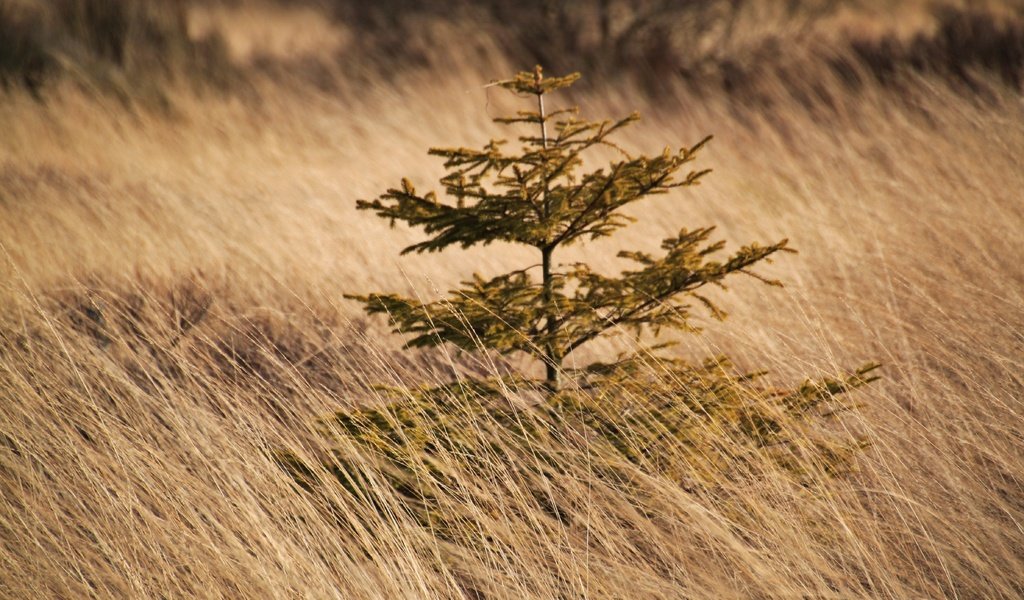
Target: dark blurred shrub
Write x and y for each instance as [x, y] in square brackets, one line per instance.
[707, 45]
[966, 43]
[136, 41]
[654, 38]
[23, 55]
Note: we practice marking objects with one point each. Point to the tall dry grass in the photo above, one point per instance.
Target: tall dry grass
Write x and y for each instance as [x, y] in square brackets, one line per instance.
[172, 316]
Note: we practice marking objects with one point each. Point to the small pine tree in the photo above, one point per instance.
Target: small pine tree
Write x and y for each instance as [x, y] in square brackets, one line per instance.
[441, 450]
[539, 197]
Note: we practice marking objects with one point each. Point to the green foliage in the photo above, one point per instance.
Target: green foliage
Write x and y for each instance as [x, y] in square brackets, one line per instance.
[463, 459]
[537, 196]
[443, 452]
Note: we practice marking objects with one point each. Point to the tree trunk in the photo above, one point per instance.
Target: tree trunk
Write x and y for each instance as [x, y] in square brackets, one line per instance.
[552, 361]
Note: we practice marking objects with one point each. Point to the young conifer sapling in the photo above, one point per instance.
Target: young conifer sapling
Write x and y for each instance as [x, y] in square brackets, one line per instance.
[539, 196]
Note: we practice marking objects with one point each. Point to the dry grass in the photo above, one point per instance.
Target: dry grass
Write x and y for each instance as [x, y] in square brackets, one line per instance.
[172, 314]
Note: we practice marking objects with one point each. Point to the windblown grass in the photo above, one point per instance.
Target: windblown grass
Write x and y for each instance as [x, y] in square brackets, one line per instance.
[172, 318]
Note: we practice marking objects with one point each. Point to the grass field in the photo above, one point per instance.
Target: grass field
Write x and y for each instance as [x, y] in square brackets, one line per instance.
[173, 260]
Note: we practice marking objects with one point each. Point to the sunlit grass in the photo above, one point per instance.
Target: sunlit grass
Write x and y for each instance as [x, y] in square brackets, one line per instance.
[172, 318]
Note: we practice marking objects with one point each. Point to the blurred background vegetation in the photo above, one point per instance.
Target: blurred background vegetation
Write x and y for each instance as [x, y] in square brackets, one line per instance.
[704, 45]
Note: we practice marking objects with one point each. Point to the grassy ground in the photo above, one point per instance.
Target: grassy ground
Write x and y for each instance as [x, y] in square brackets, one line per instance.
[171, 281]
